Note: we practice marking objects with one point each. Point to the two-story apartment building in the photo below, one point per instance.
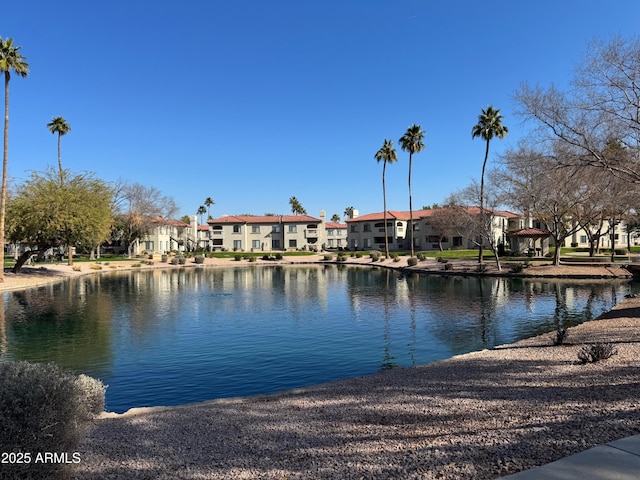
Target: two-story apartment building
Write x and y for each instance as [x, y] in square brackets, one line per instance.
[336, 234]
[166, 235]
[367, 231]
[267, 232]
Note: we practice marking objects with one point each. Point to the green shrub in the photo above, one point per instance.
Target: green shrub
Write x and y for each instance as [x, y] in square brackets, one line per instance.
[265, 257]
[44, 409]
[342, 257]
[237, 257]
[448, 266]
[278, 256]
[174, 260]
[357, 254]
[412, 261]
[375, 255]
[594, 352]
[516, 267]
[252, 259]
[328, 257]
[422, 256]
[199, 259]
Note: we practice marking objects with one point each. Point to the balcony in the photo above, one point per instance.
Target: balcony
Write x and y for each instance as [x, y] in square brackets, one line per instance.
[311, 233]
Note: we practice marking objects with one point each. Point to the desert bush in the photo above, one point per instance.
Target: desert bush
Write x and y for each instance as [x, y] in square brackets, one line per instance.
[136, 265]
[594, 352]
[95, 266]
[44, 409]
[560, 336]
[237, 257]
[516, 267]
[448, 266]
[328, 257]
[357, 254]
[375, 255]
[412, 261]
[422, 256]
[253, 259]
[278, 256]
[396, 259]
[76, 268]
[265, 257]
[342, 257]
[199, 259]
[174, 260]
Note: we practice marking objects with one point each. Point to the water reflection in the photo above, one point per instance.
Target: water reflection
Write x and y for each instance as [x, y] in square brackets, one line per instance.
[165, 337]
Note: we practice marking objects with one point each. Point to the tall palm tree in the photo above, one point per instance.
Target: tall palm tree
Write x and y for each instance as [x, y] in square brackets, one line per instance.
[10, 60]
[201, 211]
[386, 154]
[489, 125]
[208, 202]
[411, 142]
[60, 126]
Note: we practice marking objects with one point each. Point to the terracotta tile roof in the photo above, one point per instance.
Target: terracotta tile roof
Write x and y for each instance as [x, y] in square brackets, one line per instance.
[418, 214]
[335, 225]
[531, 232]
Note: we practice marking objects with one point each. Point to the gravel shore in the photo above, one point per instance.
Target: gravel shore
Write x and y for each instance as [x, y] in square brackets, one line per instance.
[477, 416]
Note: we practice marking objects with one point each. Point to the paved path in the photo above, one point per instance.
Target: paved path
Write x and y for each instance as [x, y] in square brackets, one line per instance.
[618, 460]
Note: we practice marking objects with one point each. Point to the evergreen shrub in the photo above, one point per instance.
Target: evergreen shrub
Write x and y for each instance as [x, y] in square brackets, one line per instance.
[44, 409]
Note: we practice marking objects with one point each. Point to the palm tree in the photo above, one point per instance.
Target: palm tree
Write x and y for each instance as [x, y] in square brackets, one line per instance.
[60, 126]
[208, 202]
[201, 211]
[335, 218]
[10, 59]
[489, 125]
[348, 212]
[296, 206]
[386, 154]
[411, 142]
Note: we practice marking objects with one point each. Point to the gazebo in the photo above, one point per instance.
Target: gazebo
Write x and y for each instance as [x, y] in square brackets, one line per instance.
[524, 241]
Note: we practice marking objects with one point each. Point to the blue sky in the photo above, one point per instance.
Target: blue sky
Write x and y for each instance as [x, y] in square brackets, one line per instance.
[251, 102]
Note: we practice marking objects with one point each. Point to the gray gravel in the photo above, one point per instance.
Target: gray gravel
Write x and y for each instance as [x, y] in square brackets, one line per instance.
[477, 416]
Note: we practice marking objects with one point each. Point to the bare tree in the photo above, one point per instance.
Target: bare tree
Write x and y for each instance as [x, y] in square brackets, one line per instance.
[136, 208]
[533, 182]
[478, 225]
[602, 104]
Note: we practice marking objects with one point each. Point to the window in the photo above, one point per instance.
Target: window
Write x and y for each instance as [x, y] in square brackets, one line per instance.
[457, 241]
[275, 229]
[367, 243]
[354, 228]
[330, 233]
[583, 239]
[255, 229]
[293, 228]
[331, 242]
[237, 228]
[255, 243]
[367, 227]
[237, 244]
[275, 243]
[148, 246]
[293, 243]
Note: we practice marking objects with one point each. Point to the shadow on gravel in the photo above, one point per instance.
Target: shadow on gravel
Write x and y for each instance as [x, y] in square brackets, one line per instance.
[472, 417]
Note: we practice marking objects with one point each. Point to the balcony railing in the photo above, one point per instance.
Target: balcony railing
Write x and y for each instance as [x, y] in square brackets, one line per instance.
[311, 233]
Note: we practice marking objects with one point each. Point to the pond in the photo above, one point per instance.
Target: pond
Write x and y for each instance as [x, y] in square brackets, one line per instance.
[168, 337]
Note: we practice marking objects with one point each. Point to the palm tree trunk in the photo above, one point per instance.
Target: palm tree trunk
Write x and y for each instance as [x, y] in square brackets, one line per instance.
[410, 207]
[5, 156]
[384, 196]
[484, 164]
[59, 160]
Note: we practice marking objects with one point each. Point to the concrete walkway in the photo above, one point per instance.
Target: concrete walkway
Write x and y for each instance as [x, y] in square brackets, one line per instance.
[618, 460]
